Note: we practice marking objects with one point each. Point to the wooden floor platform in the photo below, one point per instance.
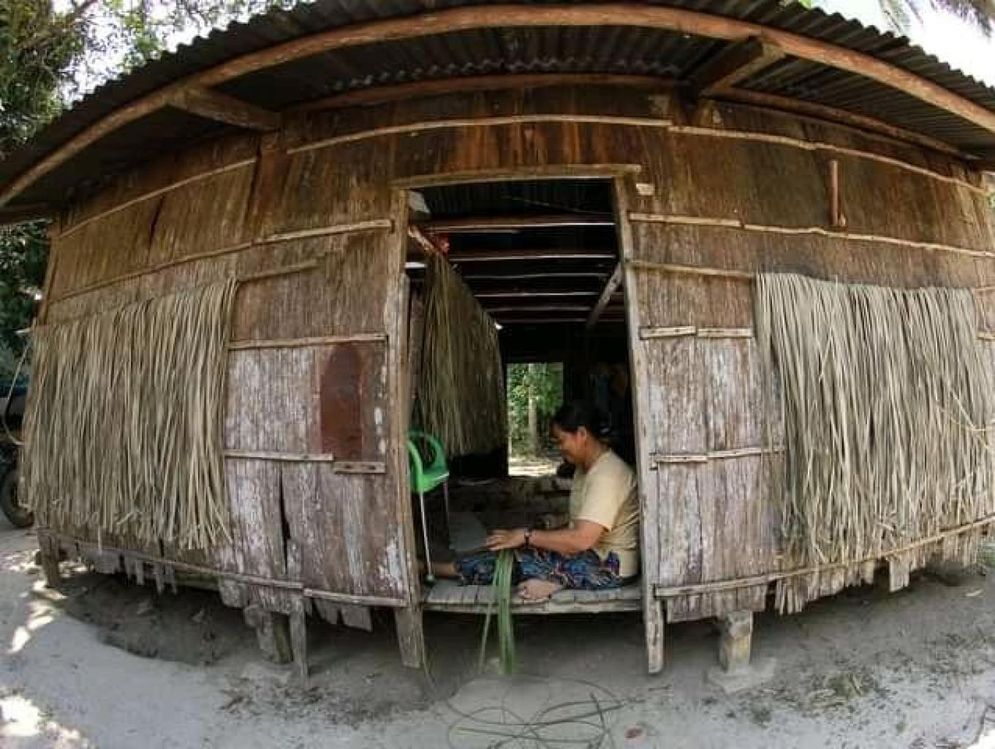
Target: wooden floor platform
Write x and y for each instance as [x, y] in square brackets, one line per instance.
[448, 595]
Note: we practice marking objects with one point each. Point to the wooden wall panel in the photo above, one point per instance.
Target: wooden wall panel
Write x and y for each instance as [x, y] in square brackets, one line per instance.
[702, 395]
[318, 302]
[202, 217]
[329, 186]
[160, 173]
[676, 398]
[734, 405]
[271, 401]
[350, 380]
[105, 249]
[345, 527]
[734, 249]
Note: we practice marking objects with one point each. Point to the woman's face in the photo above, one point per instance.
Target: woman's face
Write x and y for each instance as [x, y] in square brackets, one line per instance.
[572, 445]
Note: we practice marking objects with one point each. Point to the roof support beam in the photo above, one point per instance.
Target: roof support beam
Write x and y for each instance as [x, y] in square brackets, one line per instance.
[214, 105]
[606, 295]
[737, 62]
[476, 83]
[679, 20]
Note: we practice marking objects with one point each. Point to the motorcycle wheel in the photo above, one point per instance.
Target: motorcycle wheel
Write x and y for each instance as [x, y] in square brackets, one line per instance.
[16, 513]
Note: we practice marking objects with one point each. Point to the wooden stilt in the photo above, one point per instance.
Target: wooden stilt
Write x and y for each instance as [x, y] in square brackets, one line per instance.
[272, 632]
[49, 553]
[410, 635]
[736, 640]
[298, 640]
[653, 623]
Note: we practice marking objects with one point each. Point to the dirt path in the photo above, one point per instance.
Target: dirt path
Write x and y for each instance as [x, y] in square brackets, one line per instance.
[105, 663]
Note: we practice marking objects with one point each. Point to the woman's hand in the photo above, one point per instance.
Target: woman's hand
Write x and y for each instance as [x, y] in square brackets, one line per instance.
[506, 539]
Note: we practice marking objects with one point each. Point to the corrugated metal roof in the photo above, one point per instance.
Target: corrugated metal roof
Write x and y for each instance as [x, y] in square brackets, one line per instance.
[494, 50]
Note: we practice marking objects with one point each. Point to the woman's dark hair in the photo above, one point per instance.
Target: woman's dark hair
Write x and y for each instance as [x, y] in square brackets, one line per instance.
[572, 416]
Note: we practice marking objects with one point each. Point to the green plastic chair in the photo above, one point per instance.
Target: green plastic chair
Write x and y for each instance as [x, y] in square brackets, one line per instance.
[425, 478]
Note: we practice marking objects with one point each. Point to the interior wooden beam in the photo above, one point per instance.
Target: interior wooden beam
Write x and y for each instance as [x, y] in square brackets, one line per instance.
[220, 107]
[504, 223]
[469, 275]
[465, 256]
[530, 294]
[537, 308]
[733, 64]
[606, 295]
[469, 18]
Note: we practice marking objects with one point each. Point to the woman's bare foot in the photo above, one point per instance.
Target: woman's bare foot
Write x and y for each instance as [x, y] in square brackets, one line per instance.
[535, 590]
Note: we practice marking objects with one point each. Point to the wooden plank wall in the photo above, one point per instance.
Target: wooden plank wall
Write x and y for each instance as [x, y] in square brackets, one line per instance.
[710, 186]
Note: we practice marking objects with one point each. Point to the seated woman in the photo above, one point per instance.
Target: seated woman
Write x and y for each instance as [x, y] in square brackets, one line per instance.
[600, 546]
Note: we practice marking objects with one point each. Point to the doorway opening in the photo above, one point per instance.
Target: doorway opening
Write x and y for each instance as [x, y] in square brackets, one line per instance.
[539, 263]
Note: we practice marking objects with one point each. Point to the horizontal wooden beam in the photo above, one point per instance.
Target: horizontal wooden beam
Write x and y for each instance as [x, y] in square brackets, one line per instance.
[538, 308]
[418, 89]
[214, 105]
[861, 122]
[471, 256]
[530, 294]
[542, 320]
[470, 18]
[514, 223]
[469, 275]
[735, 63]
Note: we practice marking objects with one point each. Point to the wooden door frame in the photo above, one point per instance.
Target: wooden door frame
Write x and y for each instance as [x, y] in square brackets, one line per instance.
[653, 611]
[620, 175]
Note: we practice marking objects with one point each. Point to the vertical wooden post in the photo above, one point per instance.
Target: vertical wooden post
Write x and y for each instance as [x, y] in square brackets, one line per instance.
[410, 635]
[48, 550]
[836, 217]
[298, 639]
[736, 640]
[298, 613]
[653, 614]
[408, 620]
[272, 633]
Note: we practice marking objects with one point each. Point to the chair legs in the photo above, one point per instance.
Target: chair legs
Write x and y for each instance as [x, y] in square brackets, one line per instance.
[429, 577]
[449, 523]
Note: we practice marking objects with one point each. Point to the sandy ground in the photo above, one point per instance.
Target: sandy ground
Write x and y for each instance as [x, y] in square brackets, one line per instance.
[533, 465]
[101, 662]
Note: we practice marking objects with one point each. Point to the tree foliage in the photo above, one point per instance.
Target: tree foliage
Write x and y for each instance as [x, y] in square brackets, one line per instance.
[542, 384]
[47, 58]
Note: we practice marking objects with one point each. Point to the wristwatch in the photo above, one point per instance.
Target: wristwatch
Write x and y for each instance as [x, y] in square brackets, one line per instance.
[528, 536]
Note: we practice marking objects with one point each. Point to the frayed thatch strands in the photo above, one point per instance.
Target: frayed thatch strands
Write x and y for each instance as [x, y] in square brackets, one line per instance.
[886, 401]
[124, 421]
[461, 387]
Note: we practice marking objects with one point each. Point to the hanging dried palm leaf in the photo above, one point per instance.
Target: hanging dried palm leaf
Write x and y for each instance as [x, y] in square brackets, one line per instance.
[885, 401]
[461, 388]
[124, 420]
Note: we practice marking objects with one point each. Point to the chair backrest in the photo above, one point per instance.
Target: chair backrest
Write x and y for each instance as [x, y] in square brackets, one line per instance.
[426, 460]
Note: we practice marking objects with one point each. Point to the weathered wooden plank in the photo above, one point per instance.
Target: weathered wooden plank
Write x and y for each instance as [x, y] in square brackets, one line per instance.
[205, 215]
[255, 506]
[733, 393]
[347, 544]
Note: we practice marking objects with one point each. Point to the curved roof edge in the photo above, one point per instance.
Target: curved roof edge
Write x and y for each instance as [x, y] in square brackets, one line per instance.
[244, 75]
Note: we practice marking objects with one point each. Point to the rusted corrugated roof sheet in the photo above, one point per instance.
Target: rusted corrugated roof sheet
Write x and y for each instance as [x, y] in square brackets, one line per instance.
[494, 50]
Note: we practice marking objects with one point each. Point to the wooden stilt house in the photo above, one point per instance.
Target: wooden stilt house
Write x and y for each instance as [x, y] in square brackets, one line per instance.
[225, 361]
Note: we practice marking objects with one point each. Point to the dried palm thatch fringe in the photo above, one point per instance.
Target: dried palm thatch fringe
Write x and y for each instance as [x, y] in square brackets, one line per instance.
[461, 388]
[124, 421]
[886, 400]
